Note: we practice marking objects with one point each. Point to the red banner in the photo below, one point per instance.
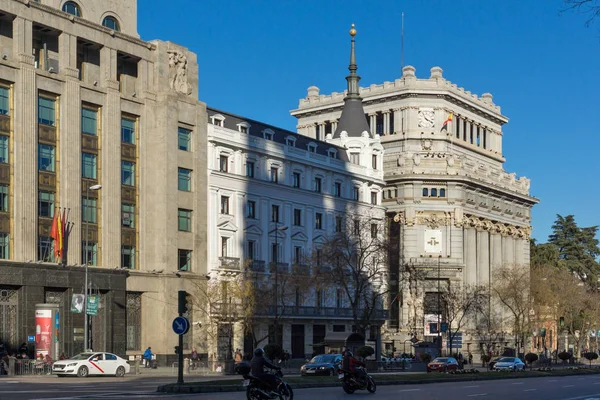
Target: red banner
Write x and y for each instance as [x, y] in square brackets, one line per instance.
[43, 331]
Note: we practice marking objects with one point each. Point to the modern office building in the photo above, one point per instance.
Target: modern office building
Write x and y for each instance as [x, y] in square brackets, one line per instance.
[458, 214]
[97, 124]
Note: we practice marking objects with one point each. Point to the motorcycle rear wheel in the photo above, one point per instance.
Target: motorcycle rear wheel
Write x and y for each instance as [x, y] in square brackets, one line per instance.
[286, 392]
[347, 388]
[251, 393]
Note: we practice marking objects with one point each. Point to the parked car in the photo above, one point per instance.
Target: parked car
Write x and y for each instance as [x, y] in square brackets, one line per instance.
[84, 364]
[493, 362]
[509, 364]
[323, 364]
[443, 364]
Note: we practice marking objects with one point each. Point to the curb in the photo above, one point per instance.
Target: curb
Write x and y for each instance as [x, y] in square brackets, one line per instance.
[199, 388]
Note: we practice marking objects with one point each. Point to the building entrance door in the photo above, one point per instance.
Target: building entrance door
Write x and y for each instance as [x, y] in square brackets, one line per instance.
[9, 327]
[298, 341]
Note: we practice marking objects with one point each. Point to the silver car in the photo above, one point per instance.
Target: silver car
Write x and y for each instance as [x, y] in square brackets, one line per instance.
[509, 364]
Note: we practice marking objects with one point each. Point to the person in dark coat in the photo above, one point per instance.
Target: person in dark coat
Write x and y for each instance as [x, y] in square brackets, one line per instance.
[257, 367]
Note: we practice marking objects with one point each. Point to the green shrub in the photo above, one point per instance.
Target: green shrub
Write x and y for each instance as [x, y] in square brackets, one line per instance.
[531, 358]
[564, 355]
[590, 355]
[273, 351]
[365, 351]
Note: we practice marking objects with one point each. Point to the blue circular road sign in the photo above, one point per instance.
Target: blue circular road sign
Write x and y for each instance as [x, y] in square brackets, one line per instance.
[181, 325]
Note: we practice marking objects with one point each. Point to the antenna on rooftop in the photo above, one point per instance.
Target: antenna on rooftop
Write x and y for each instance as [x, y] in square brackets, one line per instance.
[402, 46]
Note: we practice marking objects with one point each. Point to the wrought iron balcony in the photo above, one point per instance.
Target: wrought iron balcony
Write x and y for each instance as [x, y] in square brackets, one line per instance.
[257, 265]
[232, 263]
[279, 267]
[301, 269]
[316, 312]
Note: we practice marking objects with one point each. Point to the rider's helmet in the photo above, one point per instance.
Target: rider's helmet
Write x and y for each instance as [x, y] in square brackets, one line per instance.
[259, 352]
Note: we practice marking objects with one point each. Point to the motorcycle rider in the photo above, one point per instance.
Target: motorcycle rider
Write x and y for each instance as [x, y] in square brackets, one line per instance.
[257, 365]
[350, 364]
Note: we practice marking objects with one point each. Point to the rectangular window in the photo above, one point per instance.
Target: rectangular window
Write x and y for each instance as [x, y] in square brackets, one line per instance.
[4, 101]
[274, 213]
[297, 217]
[338, 223]
[223, 160]
[128, 257]
[89, 210]
[185, 136]
[274, 174]
[318, 221]
[319, 257]
[45, 157]
[224, 205]
[91, 257]
[356, 227]
[251, 208]
[3, 149]
[127, 130]
[3, 198]
[337, 189]
[243, 129]
[46, 111]
[184, 182]
[374, 198]
[374, 161]
[184, 220]
[251, 250]
[355, 158]
[373, 231]
[274, 252]
[45, 249]
[297, 254]
[127, 173]
[46, 204]
[296, 179]
[318, 185]
[185, 260]
[128, 215]
[89, 121]
[250, 169]
[88, 165]
[4, 246]
[224, 251]
[339, 302]
[355, 193]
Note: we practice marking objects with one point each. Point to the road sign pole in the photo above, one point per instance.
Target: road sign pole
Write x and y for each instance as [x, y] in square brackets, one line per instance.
[180, 361]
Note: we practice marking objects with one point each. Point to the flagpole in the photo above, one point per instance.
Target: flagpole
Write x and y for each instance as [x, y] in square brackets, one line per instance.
[402, 46]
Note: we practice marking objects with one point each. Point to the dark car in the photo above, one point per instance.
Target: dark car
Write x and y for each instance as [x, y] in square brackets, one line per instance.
[443, 364]
[324, 364]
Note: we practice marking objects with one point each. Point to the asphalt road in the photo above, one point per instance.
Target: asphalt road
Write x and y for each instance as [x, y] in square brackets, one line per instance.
[556, 388]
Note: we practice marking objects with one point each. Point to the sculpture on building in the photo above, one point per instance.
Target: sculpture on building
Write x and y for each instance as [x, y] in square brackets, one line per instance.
[178, 73]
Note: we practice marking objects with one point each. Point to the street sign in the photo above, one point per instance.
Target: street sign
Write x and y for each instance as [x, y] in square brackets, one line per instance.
[31, 338]
[181, 325]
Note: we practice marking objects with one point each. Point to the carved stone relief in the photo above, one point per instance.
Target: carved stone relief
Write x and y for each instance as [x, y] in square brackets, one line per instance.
[433, 219]
[178, 79]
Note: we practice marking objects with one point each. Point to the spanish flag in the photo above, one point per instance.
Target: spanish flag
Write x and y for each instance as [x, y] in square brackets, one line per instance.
[58, 245]
[445, 124]
[54, 234]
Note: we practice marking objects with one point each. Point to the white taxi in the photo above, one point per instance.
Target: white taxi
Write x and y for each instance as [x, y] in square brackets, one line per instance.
[87, 364]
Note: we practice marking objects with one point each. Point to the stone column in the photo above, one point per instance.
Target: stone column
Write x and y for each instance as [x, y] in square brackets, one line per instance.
[373, 122]
[321, 131]
[496, 251]
[334, 125]
[471, 253]
[24, 161]
[67, 45]
[520, 251]
[397, 128]
[461, 128]
[386, 122]
[483, 257]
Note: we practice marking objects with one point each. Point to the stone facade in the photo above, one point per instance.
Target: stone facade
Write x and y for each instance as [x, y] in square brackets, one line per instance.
[456, 211]
[87, 105]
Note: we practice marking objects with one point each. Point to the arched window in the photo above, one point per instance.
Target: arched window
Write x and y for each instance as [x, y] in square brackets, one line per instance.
[425, 192]
[111, 23]
[433, 192]
[442, 192]
[72, 8]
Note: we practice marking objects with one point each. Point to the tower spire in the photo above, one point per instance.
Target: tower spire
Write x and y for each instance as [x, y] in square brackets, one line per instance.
[353, 78]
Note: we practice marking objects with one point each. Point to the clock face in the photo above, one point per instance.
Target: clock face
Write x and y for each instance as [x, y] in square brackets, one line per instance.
[426, 118]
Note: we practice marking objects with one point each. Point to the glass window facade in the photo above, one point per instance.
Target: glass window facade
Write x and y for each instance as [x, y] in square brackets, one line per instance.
[4, 100]
[127, 130]
[185, 260]
[71, 8]
[184, 220]
[128, 215]
[3, 198]
[89, 165]
[128, 257]
[89, 210]
[46, 111]
[92, 253]
[127, 173]
[4, 246]
[111, 23]
[4, 149]
[89, 121]
[184, 139]
[46, 157]
[46, 204]
[45, 249]
[185, 180]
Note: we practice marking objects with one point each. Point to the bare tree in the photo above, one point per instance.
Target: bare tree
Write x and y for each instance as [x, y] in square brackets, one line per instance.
[511, 286]
[355, 260]
[589, 7]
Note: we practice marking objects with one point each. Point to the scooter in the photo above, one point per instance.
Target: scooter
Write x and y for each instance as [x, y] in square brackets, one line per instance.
[350, 383]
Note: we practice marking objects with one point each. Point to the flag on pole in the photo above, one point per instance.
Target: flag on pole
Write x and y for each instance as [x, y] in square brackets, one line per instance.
[59, 243]
[446, 122]
[54, 233]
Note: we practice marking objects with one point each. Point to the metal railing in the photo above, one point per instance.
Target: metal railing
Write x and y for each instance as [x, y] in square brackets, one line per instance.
[32, 367]
[230, 263]
[304, 311]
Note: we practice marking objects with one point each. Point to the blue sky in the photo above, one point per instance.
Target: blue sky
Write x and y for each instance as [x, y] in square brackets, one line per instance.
[257, 58]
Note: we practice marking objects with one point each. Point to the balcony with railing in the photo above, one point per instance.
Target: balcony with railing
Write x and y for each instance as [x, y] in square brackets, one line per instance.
[301, 269]
[231, 263]
[316, 312]
[282, 268]
[257, 266]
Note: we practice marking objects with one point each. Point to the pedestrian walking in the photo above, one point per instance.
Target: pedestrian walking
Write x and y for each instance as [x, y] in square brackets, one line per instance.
[147, 357]
[470, 357]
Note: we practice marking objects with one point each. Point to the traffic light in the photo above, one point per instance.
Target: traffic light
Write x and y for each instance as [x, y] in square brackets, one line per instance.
[183, 303]
[176, 349]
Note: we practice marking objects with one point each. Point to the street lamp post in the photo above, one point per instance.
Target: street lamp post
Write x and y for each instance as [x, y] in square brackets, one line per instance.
[86, 217]
[438, 306]
[276, 262]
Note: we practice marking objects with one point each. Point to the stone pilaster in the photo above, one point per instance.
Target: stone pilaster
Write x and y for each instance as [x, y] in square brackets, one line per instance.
[483, 257]
[470, 244]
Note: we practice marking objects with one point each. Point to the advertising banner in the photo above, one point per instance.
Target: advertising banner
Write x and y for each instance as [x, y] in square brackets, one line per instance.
[92, 305]
[431, 321]
[77, 303]
[43, 331]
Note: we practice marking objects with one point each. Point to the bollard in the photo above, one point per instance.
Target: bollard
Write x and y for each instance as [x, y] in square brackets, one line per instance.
[136, 365]
[186, 366]
[11, 366]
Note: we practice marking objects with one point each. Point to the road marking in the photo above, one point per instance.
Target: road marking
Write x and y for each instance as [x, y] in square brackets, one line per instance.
[472, 386]
[529, 390]
[476, 395]
[410, 390]
[552, 380]
[567, 386]
[518, 383]
[596, 383]
[583, 397]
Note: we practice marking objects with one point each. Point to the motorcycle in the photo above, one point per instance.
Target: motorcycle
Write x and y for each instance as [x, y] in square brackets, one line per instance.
[350, 383]
[257, 389]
